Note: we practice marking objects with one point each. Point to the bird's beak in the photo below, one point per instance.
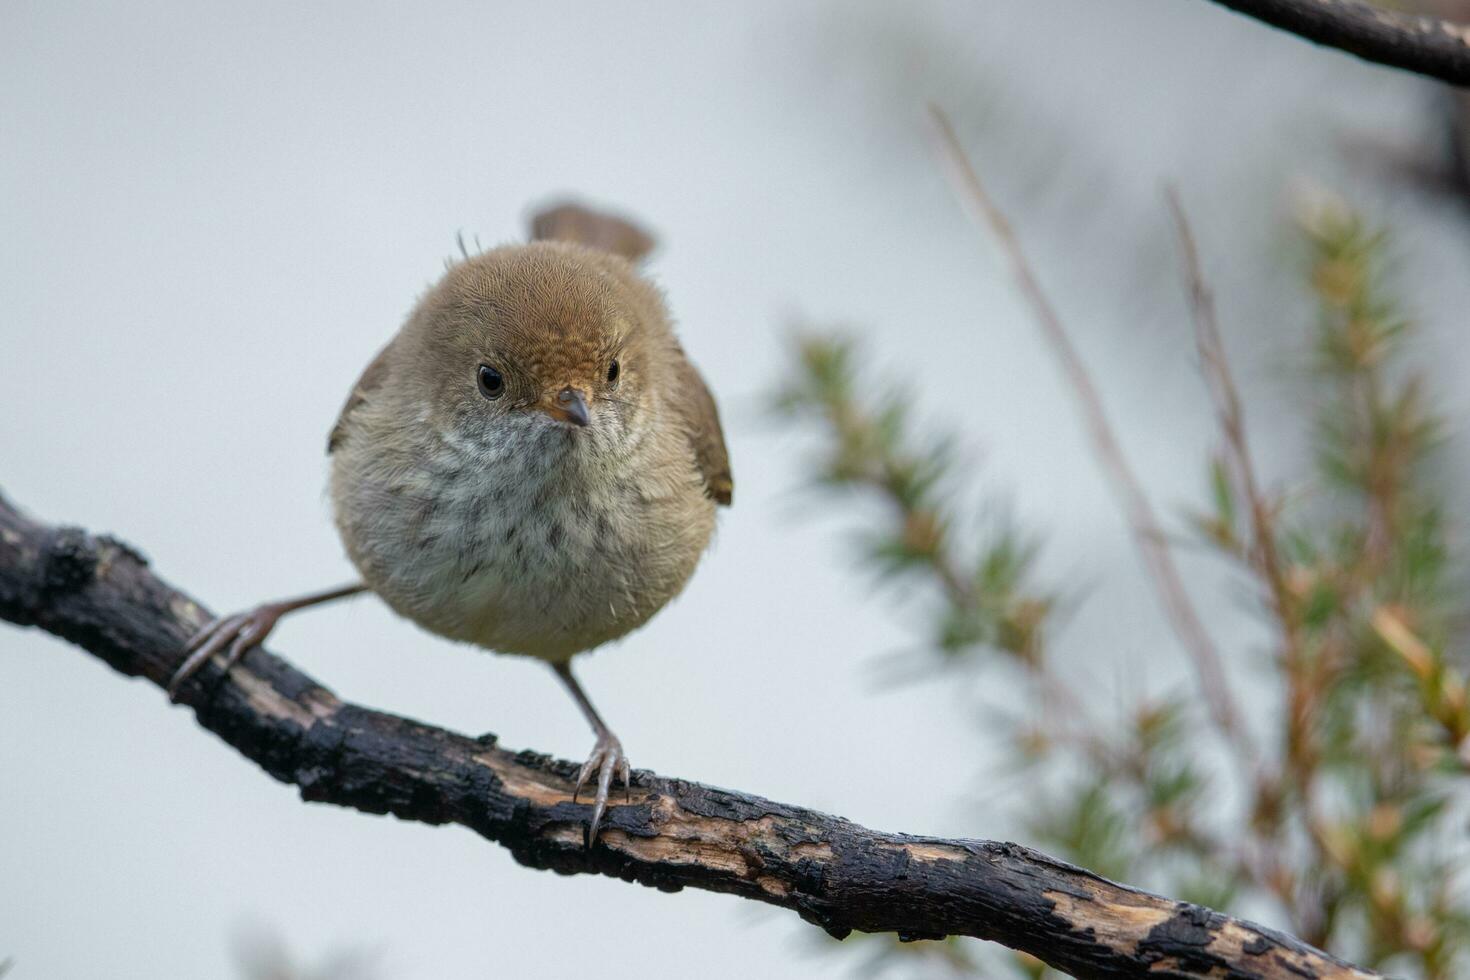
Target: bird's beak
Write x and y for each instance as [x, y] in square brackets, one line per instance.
[567, 405]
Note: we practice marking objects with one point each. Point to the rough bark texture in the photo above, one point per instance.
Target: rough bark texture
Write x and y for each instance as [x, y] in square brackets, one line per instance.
[99, 594]
[1426, 45]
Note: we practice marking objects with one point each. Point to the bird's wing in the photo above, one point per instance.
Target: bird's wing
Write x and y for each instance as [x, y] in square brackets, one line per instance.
[371, 380]
[570, 222]
[702, 421]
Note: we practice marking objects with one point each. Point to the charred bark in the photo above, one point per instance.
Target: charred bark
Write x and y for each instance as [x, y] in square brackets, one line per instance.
[100, 594]
[1426, 45]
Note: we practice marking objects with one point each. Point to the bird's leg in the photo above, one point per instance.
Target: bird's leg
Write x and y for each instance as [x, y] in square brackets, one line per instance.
[245, 630]
[607, 758]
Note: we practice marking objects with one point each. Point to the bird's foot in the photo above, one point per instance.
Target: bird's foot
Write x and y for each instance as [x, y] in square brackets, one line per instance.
[240, 631]
[608, 761]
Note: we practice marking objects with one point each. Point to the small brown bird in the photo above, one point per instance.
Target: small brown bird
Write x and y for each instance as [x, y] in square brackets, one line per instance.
[531, 465]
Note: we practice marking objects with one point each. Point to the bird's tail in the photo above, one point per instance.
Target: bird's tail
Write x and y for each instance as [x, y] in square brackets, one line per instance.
[569, 221]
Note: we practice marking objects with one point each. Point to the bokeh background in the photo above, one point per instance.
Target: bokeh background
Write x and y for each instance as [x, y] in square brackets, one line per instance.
[213, 214]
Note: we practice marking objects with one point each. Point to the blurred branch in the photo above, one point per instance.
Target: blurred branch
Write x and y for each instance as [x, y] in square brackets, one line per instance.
[99, 594]
[1442, 688]
[1261, 556]
[1261, 553]
[1424, 45]
[1230, 415]
[1147, 532]
[1341, 830]
[988, 601]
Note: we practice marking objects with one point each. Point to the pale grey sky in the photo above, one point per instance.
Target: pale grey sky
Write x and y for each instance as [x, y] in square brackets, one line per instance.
[215, 213]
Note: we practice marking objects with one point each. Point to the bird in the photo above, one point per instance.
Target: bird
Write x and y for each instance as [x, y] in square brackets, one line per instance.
[532, 465]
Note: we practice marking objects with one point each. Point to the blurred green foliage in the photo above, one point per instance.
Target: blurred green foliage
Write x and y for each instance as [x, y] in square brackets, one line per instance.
[1348, 828]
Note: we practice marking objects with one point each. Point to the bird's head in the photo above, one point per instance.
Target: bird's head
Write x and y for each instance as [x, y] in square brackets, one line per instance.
[538, 347]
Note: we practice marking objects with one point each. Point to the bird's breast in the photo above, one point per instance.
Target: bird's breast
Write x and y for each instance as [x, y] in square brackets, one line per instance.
[540, 557]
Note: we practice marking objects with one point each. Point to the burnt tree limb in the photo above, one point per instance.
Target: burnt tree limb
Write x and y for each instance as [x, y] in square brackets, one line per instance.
[1426, 45]
[100, 594]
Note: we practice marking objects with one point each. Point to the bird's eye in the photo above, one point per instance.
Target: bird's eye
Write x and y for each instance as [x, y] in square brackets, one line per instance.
[492, 385]
[612, 372]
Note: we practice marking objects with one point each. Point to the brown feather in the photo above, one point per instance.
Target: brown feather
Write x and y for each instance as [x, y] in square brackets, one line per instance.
[545, 301]
[571, 222]
[372, 379]
[702, 420]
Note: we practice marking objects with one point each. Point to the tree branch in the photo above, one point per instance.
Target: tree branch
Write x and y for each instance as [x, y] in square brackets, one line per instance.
[1425, 45]
[99, 594]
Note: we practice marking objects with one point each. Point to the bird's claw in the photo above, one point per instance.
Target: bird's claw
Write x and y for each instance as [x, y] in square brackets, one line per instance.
[241, 632]
[608, 761]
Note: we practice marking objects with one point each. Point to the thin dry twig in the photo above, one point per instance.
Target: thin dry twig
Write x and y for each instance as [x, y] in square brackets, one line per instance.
[1231, 416]
[1148, 534]
[1262, 557]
